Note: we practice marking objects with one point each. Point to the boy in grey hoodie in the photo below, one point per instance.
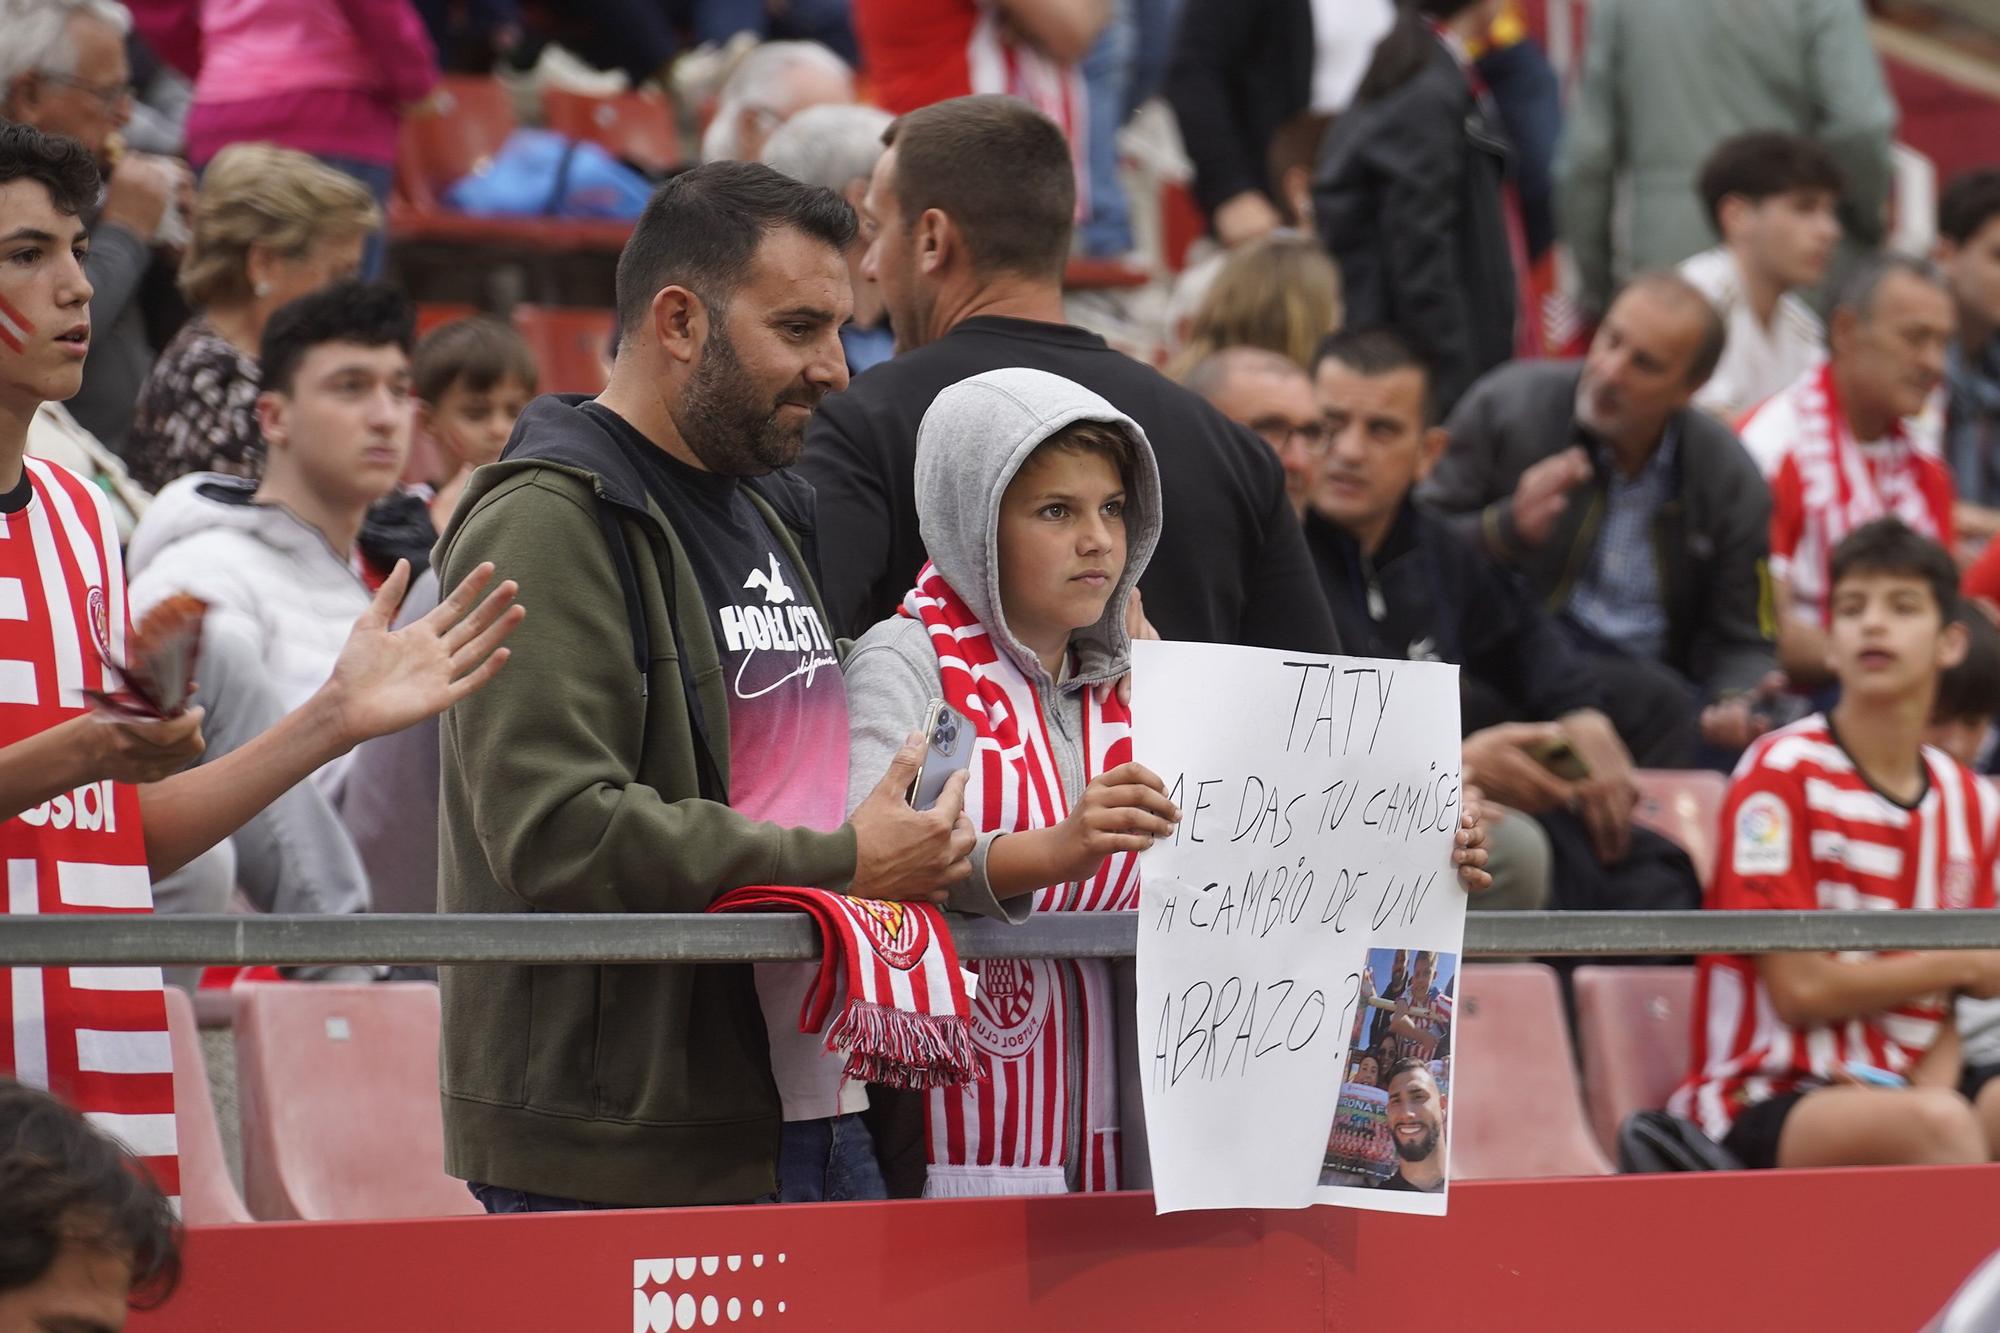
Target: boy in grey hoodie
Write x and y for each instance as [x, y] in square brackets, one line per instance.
[1039, 504]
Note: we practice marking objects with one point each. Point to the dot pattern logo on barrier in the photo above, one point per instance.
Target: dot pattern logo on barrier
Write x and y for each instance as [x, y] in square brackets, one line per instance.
[899, 933]
[675, 1306]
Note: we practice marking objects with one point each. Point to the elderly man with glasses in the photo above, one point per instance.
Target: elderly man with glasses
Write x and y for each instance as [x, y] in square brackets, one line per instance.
[63, 70]
[1272, 395]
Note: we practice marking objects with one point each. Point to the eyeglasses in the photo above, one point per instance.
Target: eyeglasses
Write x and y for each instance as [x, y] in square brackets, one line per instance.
[1278, 433]
[110, 95]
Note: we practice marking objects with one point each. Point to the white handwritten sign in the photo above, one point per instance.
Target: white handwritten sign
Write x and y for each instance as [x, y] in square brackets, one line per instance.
[1306, 906]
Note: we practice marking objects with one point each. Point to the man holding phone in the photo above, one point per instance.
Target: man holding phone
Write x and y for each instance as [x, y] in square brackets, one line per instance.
[678, 729]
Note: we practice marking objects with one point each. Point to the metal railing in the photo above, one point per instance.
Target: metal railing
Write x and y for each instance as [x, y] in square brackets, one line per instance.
[607, 938]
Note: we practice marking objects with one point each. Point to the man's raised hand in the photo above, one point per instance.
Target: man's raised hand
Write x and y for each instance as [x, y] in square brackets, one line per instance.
[385, 680]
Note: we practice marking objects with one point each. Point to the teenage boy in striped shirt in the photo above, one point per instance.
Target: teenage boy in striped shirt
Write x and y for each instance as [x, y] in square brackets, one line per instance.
[1815, 1059]
[94, 806]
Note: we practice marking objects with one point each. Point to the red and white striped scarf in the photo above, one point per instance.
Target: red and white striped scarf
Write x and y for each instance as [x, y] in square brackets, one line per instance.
[1043, 1030]
[893, 970]
[1844, 487]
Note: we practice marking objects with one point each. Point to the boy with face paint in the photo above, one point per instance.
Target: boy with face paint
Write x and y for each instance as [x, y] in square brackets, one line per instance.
[1040, 505]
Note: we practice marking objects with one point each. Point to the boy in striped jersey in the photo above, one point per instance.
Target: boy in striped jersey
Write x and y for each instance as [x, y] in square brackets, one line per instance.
[94, 806]
[1804, 1059]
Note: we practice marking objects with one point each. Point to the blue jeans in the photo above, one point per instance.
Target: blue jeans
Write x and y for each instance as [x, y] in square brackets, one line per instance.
[1107, 68]
[826, 1161]
[819, 1161]
[378, 177]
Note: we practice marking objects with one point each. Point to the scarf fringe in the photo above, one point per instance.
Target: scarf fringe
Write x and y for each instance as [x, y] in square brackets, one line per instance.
[903, 1049]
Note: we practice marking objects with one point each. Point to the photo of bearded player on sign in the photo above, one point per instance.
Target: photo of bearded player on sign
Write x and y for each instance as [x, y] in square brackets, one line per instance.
[1389, 1125]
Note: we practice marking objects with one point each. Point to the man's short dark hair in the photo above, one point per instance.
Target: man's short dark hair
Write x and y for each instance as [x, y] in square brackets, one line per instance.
[56, 161]
[1970, 691]
[702, 228]
[1891, 546]
[1000, 170]
[1378, 351]
[1408, 1064]
[1763, 165]
[475, 353]
[1859, 289]
[1970, 202]
[62, 1181]
[366, 314]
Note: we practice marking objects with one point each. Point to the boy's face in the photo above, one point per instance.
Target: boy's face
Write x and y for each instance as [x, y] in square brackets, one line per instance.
[474, 425]
[1791, 235]
[44, 299]
[1062, 543]
[1887, 639]
[345, 425]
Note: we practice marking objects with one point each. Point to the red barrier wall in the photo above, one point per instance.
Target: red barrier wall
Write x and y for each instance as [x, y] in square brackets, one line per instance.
[1876, 1250]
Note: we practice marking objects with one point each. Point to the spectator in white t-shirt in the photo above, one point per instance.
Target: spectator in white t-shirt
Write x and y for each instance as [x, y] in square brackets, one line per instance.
[1773, 200]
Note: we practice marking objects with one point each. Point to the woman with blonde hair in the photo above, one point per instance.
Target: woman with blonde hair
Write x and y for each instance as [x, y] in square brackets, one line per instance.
[1279, 292]
[270, 225]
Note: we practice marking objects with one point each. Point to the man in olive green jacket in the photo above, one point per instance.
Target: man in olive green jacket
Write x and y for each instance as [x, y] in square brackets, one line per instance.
[661, 720]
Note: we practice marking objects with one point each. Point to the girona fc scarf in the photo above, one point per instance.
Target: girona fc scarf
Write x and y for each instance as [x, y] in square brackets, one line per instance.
[1046, 1112]
[894, 973]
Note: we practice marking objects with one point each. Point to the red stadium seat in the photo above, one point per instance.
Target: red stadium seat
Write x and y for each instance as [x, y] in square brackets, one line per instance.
[638, 127]
[1632, 1032]
[572, 345]
[339, 1089]
[1683, 805]
[208, 1195]
[473, 116]
[1516, 1109]
[1182, 223]
[434, 315]
[1096, 275]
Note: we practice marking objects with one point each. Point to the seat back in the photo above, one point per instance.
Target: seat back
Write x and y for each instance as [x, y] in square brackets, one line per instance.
[1632, 1032]
[572, 345]
[638, 127]
[1517, 1112]
[1683, 806]
[208, 1195]
[434, 315]
[339, 1089]
[473, 116]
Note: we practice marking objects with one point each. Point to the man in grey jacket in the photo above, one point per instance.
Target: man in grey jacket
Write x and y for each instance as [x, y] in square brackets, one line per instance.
[1640, 519]
[1664, 83]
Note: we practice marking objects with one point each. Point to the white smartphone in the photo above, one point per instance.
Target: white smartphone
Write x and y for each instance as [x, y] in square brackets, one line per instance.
[948, 750]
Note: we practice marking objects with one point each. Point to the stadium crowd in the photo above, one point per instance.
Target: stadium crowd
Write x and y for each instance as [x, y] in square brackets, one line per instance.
[857, 447]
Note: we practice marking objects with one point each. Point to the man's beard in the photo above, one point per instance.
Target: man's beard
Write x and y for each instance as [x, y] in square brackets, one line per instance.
[1416, 1150]
[728, 424]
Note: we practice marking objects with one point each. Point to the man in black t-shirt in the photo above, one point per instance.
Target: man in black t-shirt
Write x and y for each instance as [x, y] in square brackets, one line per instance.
[969, 215]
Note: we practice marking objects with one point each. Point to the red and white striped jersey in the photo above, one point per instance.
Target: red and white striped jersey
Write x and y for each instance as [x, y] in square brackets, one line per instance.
[94, 1036]
[1803, 830]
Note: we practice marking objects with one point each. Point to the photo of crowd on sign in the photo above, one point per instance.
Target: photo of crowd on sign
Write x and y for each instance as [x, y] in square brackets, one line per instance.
[1390, 1125]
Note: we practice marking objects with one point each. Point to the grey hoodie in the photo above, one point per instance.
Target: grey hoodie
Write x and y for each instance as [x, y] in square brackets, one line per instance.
[974, 438]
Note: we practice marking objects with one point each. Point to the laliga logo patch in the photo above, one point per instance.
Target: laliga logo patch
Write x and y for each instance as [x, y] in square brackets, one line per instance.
[1763, 836]
[1958, 884]
[899, 933]
[100, 620]
[1012, 1006]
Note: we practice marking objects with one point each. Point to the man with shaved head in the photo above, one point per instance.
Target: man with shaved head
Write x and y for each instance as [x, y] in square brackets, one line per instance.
[1270, 394]
[1640, 520]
